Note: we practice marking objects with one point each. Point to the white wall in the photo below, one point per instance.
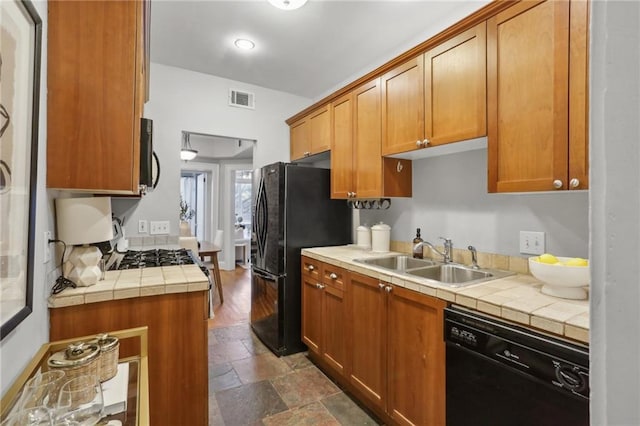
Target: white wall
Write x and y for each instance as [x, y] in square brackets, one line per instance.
[186, 100]
[615, 213]
[450, 200]
[17, 348]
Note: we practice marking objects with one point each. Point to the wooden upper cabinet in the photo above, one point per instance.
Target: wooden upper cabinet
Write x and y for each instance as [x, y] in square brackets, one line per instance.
[533, 48]
[320, 130]
[403, 107]
[299, 139]
[366, 140]
[358, 169]
[342, 161]
[375, 176]
[438, 97]
[96, 90]
[455, 88]
[311, 134]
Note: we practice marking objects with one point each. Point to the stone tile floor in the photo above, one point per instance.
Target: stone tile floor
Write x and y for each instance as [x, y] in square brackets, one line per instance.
[249, 385]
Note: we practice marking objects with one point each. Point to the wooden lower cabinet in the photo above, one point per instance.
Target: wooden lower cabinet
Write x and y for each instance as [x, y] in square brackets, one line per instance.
[178, 368]
[324, 314]
[367, 335]
[415, 358]
[394, 358]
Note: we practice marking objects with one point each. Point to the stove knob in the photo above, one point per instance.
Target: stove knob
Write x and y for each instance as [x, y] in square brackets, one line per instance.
[570, 378]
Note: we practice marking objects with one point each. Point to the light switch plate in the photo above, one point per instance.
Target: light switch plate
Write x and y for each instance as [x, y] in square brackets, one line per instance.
[531, 242]
[142, 227]
[159, 227]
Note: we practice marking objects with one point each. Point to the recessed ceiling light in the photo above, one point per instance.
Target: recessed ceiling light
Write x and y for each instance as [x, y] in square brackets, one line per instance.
[288, 4]
[244, 44]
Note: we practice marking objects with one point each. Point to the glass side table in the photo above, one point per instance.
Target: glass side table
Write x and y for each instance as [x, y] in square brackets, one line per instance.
[137, 376]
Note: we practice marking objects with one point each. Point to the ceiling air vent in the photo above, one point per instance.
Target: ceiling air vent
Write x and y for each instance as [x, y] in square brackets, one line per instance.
[241, 99]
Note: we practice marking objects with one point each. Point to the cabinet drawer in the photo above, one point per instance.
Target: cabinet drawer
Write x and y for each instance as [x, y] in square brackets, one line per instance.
[311, 268]
[333, 276]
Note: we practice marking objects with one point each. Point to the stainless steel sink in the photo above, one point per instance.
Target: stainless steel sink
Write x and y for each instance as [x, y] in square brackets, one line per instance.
[458, 275]
[397, 263]
[451, 275]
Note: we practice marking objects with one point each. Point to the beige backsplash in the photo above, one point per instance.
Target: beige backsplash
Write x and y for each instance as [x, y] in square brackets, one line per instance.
[485, 260]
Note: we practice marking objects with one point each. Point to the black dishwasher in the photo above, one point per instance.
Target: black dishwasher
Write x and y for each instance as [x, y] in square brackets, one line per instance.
[501, 374]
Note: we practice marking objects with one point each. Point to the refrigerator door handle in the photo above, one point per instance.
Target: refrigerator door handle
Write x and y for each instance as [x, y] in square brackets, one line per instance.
[262, 218]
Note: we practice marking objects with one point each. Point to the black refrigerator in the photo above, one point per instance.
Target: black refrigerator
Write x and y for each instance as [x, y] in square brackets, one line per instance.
[292, 210]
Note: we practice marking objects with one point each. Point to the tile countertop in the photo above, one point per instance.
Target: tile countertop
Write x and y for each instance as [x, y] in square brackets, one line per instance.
[515, 298]
[130, 283]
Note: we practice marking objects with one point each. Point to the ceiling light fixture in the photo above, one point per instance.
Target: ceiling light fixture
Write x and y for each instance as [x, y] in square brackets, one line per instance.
[288, 4]
[186, 152]
[244, 44]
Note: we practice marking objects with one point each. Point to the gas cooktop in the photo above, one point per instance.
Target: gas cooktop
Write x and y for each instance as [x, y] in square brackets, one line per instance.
[134, 259]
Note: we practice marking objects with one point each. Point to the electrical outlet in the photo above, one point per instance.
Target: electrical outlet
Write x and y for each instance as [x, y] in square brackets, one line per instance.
[47, 247]
[142, 227]
[531, 242]
[159, 227]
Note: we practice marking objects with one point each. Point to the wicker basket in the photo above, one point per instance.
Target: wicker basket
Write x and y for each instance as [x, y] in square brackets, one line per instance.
[109, 355]
[79, 359]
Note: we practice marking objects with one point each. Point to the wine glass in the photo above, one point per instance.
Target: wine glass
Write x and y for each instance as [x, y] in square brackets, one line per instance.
[42, 390]
[33, 416]
[80, 402]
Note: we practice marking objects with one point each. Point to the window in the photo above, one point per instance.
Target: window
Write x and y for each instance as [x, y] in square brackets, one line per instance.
[243, 185]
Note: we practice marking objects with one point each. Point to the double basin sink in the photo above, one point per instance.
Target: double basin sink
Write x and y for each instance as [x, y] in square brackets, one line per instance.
[449, 274]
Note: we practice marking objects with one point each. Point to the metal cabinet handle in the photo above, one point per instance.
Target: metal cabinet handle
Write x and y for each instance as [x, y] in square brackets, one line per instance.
[418, 144]
[388, 289]
[311, 268]
[307, 153]
[426, 142]
[574, 183]
[381, 285]
[333, 276]
[319, 286]
[557, 184]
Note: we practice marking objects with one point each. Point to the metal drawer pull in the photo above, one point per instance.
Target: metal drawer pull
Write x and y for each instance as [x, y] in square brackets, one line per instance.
[310, 267]
[381, 285]
[333, 276]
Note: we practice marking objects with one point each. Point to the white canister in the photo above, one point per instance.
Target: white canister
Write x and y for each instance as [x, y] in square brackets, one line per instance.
[363, 236]
[380, 237]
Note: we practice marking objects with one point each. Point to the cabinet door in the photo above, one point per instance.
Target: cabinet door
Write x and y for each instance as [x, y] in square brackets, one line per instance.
[320, 130]
[455, 88]
[367, 139]
[333, 333]
[527, 82]
[416, 358]
[342, 161]
[367, 337]
[94, 95]
[578, 95]
[311, 313]
[299, 139]
[403, 107]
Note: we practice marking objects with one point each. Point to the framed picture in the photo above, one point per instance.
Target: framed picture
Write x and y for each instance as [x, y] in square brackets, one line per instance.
[20, 49]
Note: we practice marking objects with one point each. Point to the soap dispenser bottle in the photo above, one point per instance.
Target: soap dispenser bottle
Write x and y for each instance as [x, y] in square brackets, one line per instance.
[417, 251]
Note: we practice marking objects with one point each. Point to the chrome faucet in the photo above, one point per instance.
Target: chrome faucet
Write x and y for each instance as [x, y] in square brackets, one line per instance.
[447, 256]
[474, 257]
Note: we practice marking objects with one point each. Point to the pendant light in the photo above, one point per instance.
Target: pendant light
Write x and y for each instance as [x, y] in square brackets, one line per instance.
[187, 153]
[288, 4]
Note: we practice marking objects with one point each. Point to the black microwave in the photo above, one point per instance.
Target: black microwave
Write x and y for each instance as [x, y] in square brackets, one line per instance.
[149, 165]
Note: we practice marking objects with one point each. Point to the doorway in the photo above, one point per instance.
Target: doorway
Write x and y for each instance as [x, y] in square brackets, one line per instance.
[194, 194]
[210, 180]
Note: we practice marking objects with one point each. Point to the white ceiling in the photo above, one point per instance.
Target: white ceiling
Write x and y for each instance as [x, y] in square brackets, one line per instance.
[309, 52]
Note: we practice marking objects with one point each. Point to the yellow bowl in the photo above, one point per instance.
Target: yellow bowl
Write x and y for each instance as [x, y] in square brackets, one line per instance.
[561, 280]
